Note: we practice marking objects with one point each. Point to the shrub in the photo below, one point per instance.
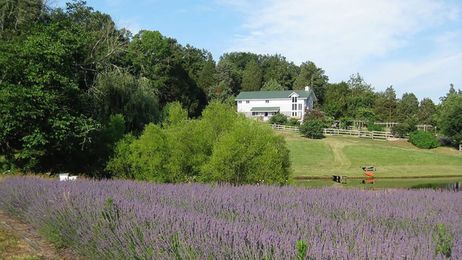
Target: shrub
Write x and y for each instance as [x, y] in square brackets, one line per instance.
[346, 122]
[424, 140]
[279, 119]
[221, 147]
[173, 113]
[314, 114]
[374, 127]
[403, 129]
[293, 122]
[249, 153]
[312, 129]
[446, 141]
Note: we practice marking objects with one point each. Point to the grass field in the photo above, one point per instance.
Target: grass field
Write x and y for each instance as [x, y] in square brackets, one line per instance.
[345, 155]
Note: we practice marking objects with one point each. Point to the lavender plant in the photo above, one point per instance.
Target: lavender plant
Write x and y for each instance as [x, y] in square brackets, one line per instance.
[137, 220]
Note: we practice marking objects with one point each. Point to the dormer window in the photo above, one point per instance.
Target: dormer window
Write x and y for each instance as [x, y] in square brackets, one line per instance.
[266, 101]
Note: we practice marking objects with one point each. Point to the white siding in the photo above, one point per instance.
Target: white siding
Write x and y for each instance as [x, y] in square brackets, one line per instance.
[285, 105]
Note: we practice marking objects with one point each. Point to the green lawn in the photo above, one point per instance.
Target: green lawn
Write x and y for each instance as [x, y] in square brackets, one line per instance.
[345, 155]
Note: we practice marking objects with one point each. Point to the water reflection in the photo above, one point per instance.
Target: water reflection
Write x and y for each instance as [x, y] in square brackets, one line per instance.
[455, 186]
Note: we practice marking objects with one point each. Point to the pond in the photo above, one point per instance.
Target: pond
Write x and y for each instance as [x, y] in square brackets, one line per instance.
[444, 183]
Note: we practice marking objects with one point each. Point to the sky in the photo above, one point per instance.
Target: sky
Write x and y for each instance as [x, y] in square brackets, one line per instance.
[414, 45]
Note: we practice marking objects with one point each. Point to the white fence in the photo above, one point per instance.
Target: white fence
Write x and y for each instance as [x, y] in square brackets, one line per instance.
[359, 133]
[344, 132]
[285, 128]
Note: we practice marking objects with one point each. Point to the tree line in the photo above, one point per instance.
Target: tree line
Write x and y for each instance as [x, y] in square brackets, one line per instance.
[72, 84]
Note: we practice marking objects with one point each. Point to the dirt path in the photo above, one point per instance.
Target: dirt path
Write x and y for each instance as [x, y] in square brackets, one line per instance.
[26, 244]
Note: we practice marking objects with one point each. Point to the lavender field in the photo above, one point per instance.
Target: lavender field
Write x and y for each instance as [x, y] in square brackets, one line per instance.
[135, 220]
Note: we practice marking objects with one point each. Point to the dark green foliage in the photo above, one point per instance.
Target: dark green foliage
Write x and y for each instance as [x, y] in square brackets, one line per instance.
[293, 122]
[314, 77]
[450, 117]
[403, 129]
[408, 107]
[374, 127]
[427, 112]
[272, 85]
[424, 140]
[335, 103]
[385, 105]
[313, 128]
[252, 76]
[365, 114]
[117, 92]
[314, 114]
[346, 122]
[278, 68]
[154, 57]
[361, 97]
[16, 15]
[446, 141]
[279, 119]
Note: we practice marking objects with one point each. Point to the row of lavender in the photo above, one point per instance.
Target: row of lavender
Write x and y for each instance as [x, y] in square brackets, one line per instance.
[125, 219]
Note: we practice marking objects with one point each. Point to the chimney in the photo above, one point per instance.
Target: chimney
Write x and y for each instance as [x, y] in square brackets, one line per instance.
[307, 88]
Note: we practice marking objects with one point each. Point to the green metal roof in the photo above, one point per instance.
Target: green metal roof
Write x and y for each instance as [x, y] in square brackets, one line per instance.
[265, 109]
[273, 94]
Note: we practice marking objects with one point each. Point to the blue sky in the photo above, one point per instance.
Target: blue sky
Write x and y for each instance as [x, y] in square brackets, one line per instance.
[414, 45]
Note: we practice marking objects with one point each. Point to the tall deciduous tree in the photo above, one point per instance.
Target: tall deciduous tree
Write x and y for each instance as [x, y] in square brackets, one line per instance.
[361, 95]
[450, 116]
[119, 92]
[155, 57]
[278, 68]
[206, 79]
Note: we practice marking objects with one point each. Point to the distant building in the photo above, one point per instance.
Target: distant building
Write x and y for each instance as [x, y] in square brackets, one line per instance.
[264, 104]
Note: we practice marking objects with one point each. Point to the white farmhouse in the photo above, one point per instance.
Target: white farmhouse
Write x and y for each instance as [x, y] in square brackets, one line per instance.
[264, 104]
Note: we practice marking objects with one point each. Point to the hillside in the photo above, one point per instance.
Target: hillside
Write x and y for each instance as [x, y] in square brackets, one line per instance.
[345, 156]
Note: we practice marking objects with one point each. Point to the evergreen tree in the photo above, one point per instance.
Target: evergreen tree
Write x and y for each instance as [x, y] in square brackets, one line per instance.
[408, 107]
[251, 77]
[385, 105]
[427, 111]
[272, 85]
[314, 77]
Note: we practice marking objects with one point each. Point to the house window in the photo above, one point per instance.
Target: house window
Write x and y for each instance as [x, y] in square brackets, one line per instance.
[239, 101]
[254, 113]
[294, 99]
[299, 106]
[247, 101]
[295, 113]
[294, 106]
[266, 101]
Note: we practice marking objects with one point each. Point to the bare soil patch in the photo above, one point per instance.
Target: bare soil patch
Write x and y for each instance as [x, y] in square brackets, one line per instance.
[19, 240]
